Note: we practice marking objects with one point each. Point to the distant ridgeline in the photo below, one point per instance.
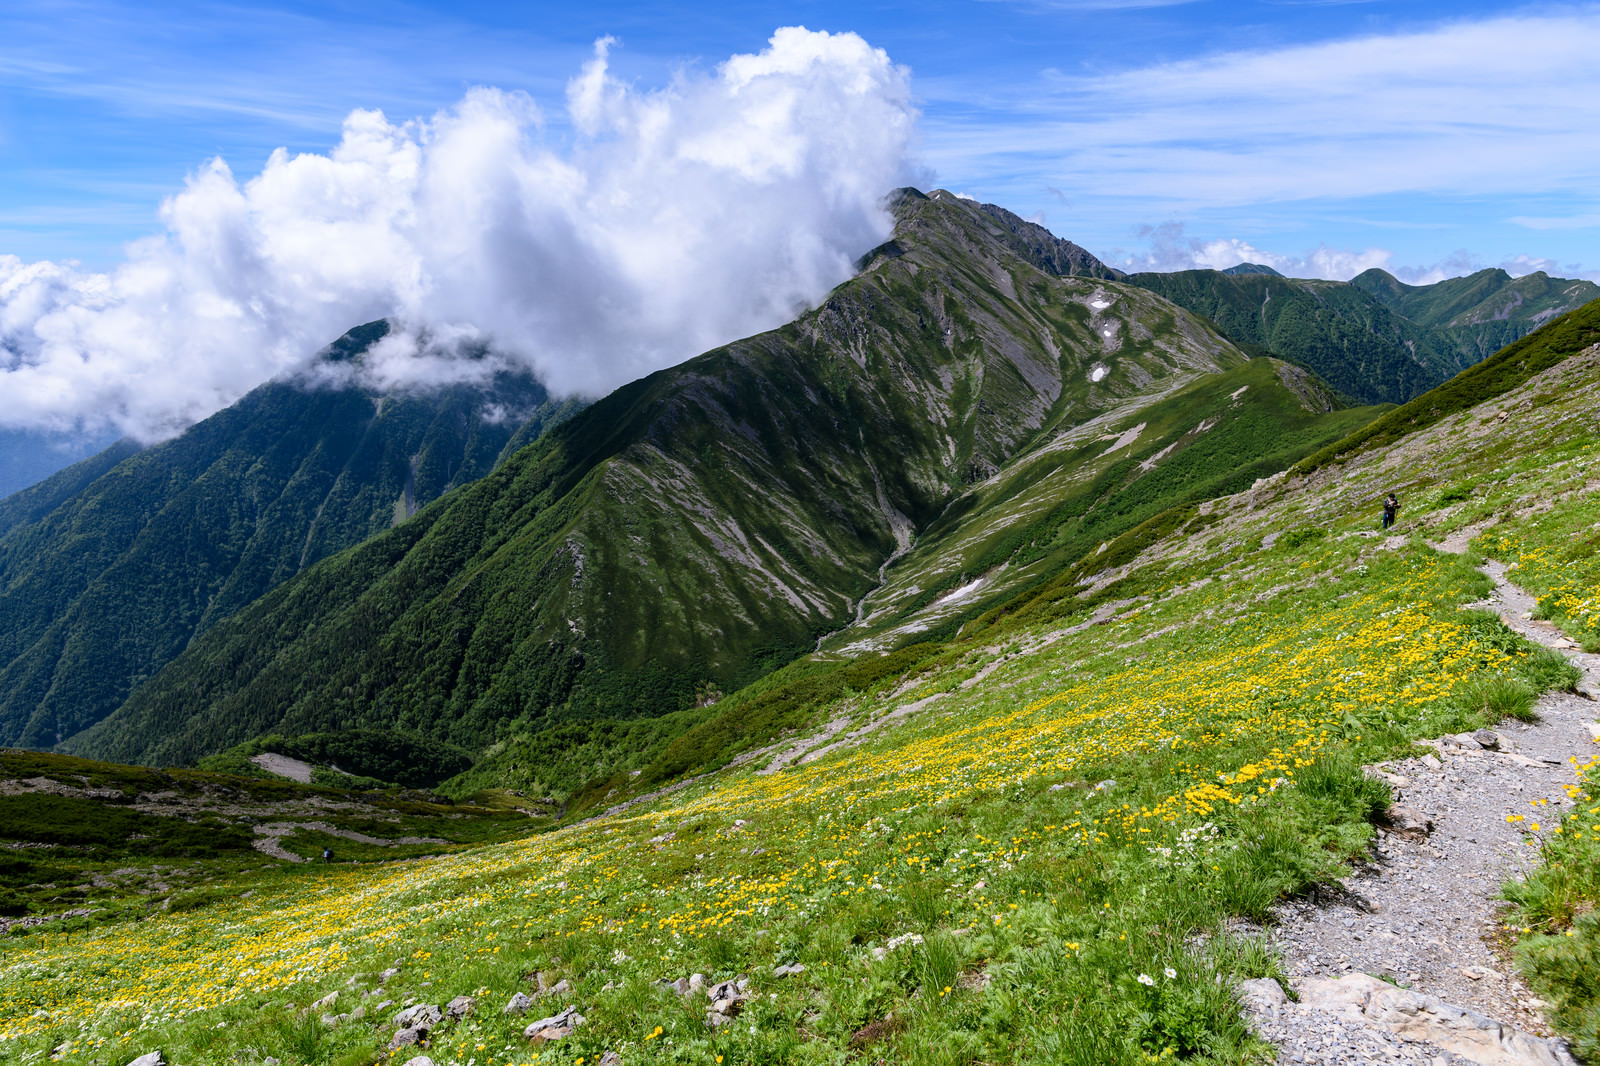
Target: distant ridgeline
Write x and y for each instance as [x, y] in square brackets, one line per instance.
[983, 406]
[110, 568]
[1373, 338]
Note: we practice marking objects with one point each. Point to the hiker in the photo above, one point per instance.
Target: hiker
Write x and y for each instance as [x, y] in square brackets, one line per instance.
[1391, 507]
[327, 854]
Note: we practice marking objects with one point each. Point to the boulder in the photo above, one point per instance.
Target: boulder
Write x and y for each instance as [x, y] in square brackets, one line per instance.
[152, 1058]
[423, 1014]
[1407, 821]
[460, 1007]
[408, 1037]
[1421, 1018]
[554, 1027]
[520, 1002]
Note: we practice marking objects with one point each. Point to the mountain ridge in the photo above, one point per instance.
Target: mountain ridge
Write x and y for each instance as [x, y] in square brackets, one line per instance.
[699, 527]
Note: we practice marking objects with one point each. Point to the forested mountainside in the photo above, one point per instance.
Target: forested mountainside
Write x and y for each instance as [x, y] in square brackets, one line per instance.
[695, 529]
[1374, 338]
[110, 568]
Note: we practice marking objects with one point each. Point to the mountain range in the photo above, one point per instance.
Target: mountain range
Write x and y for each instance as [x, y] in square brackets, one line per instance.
[984, 411]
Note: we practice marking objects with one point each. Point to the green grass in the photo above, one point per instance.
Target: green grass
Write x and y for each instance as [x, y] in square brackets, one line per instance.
[90, 848]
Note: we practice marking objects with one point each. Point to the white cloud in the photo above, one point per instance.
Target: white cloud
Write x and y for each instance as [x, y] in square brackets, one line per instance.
[1170, 248]
[1465, 108]
[1587, 221]
[675, 220]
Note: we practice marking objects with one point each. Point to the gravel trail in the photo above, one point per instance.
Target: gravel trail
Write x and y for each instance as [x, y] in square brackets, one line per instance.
[1422, 913]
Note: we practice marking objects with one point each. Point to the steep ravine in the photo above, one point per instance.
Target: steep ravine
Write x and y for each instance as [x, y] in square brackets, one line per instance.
[1422, 915]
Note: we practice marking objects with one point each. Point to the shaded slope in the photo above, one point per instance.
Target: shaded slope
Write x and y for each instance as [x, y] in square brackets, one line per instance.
[37, 500]
[100, 590]
[694, 528]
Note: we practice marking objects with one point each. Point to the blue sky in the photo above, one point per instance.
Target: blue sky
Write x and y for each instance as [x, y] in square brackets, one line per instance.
[1427, 135]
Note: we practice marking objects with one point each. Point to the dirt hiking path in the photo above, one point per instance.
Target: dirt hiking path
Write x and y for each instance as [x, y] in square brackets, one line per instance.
[1423, 913]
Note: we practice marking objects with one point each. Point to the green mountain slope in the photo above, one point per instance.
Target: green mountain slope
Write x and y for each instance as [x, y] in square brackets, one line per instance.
[1482, 312]
[1373, 338]
[699, 527]
[110, 568]
[37, 500]
[1351, 340]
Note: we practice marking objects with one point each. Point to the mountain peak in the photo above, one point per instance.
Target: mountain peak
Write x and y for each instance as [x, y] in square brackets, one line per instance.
[1028, 241]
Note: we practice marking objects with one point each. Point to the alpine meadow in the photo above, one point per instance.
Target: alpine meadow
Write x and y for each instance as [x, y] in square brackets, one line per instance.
[991, 665]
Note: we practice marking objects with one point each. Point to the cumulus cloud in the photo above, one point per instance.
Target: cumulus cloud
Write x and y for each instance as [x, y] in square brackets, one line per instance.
[1171, 248]
[665, 222]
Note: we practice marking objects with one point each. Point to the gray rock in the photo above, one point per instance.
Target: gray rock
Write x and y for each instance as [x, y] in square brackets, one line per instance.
[419, 1060]
[419, 1014]
[1424, 1019]
[1263, 995]
[554, 1027]
[153, 1058]
[716, 1020]
[520, 1002]
[460, 1007]
[408, 1037]
[786, 971]
[560, 988]
[610, 1058]
[390, 972]
[1488, 739]
[326, 1001]
[1407, 821]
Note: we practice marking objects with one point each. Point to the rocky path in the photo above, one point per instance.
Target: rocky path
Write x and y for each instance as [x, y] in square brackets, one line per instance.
[1422, 914]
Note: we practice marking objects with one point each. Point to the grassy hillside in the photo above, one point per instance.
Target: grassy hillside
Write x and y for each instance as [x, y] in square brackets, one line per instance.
[1482, 312]
[1028, 851]
[1351, 340]
[1375, 338]
[88, 842]
[111, 568]
[695, 529]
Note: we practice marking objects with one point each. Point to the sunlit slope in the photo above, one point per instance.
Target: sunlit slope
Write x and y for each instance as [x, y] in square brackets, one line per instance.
[1484, 311]
[114, 565]
[1374, 338]
[695, 528]
[1062, 505]
[1028, 861]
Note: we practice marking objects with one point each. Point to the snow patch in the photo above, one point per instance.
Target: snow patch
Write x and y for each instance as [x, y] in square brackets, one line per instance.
[1099, 303]
[1099, 372]
[1240, 391]
[1126, 439]
[960, 595]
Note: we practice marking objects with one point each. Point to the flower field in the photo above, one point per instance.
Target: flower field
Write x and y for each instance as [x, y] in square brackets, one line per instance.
[1051, 834]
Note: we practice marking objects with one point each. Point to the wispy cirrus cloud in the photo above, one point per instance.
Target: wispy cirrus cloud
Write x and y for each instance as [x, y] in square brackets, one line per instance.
[1465, 108]
[1584, 221]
